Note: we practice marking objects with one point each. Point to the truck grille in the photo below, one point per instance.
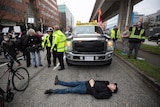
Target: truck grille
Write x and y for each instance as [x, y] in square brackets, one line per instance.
[89, 47]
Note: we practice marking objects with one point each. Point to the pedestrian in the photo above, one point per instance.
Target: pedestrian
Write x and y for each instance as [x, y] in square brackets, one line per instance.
[33, 46]
[1, 39]
[96, 88]
[136, 37]
[115, 35]
[10, 48]
[25, 51]
[58, 45]
[125, 38]
[47, 41]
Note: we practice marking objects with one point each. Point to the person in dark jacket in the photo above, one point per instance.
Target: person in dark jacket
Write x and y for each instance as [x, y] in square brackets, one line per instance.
[26, 53]
[96, 88]
[33, 45]
[10, 48]
[137, 36]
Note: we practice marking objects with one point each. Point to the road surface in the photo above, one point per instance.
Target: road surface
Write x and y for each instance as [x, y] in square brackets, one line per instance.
[133, 92]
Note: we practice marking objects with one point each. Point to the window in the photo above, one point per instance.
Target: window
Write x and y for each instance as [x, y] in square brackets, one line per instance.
[19, 1]
[158, 18]
[88, 30]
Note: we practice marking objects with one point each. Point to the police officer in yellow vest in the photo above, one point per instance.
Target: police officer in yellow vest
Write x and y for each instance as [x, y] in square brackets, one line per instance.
[115, 34]
[58, 45]
[137, 35]
[47, 42]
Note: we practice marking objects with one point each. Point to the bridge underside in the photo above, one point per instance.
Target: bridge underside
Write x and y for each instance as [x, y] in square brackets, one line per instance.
[111, 8]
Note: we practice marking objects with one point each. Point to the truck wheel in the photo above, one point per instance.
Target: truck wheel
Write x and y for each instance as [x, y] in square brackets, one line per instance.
[69, 64]
[109, 62]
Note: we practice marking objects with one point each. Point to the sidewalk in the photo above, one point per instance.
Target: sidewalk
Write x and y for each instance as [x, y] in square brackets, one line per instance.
[3, 59]
[149, 57]
[32, 71]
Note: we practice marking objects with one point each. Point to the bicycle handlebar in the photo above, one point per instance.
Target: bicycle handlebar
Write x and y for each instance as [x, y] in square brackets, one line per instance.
[11, 59]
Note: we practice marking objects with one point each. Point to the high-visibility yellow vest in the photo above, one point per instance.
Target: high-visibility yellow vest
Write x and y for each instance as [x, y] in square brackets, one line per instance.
[113, 34]
[59, 39]
[46, 42]
[137, 36]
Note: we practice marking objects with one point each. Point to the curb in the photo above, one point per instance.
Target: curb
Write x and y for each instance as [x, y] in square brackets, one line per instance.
[148, 80]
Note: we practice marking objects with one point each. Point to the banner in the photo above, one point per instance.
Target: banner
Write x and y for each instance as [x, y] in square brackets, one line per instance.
[100, 17]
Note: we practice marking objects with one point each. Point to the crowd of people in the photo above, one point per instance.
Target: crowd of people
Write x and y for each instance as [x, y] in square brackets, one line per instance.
[131, 38]
[30, 43]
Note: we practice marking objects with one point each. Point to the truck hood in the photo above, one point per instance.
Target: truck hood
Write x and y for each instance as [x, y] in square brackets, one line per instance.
[88, 37]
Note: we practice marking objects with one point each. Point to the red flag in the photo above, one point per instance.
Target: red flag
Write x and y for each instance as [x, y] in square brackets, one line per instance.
[100, 17]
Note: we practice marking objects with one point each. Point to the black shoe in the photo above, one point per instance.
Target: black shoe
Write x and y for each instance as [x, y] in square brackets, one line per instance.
[60, 69]
[135, 57]
[129, 56]
[49, 66]
[56, 80]
[40, 65]
[50, 91]
[28, 65]
[35, 66]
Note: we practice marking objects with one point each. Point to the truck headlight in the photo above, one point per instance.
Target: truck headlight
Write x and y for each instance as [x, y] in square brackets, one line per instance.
[110, 45]
[68, 46]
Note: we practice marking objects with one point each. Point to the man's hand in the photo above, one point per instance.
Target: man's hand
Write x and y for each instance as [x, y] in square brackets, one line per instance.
[91, 82]
[51, 51]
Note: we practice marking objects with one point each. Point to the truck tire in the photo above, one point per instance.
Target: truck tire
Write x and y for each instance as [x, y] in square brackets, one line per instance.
[69, 64]
[109, 62]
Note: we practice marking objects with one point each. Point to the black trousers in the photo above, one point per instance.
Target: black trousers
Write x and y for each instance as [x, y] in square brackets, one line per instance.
[60, 58]
[49, 56]
[134, 46]
[28, 57]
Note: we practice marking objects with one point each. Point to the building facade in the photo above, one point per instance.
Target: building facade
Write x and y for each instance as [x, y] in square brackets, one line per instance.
[39, 13]
[12, 12]
[152, 23]
[137, 17]
[153, 19]
[66, 18]
[46, 13]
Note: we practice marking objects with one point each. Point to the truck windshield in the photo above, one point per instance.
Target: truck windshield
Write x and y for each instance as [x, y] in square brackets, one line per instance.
[87, 30]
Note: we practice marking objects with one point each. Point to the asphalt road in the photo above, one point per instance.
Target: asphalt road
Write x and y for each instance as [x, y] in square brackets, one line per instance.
[133, 91]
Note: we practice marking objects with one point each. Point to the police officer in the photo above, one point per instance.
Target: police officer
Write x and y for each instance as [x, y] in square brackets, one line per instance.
[136, 37]
[115, 34]
[59, 45]
[47, 41]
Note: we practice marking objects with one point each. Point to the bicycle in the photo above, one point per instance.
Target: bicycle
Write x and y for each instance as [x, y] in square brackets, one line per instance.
[19, 77]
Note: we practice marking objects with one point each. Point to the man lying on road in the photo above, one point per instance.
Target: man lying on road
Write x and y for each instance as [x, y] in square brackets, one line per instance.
[96, 88]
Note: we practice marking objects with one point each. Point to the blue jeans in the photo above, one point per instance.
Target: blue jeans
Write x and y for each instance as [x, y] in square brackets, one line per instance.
[34, 58]
[75, 87]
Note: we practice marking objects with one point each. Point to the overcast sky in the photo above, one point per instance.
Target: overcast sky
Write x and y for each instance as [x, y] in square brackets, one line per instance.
[82, 9]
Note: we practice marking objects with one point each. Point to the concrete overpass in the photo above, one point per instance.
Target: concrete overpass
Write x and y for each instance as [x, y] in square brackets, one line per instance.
[111, 8]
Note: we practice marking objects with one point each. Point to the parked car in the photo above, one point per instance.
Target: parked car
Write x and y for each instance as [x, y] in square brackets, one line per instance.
[158, 43]
[156, 36]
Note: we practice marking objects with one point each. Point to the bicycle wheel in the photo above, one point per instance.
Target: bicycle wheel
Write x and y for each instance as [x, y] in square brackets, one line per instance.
[20, 79]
